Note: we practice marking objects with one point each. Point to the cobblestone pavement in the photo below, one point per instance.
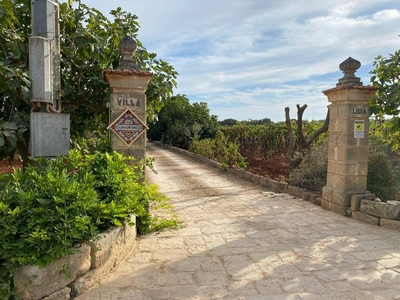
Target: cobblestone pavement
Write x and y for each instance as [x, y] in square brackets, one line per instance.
[242, 242]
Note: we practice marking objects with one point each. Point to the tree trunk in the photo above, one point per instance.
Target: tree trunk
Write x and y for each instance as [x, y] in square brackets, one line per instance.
[23, 152]
[297, 149]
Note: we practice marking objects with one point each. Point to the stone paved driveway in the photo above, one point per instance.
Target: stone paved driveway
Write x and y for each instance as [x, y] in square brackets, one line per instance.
[242, 242]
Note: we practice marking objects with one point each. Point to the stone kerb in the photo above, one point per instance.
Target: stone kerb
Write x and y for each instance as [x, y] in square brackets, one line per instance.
[35, 282]
[89, 266]
[366, 209]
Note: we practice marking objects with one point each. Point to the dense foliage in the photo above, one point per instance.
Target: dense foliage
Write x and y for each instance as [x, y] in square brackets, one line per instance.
[312, 172]
[257, 141]
[383, 178]
[260, 141]
[382, 130]
[230, 122]
[89, 44]
[219, 149]
[180, 122]
[239, 141]
[48, 208]
[386, 76]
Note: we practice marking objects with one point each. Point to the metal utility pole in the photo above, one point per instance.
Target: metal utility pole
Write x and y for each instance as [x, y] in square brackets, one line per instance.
[49, 129]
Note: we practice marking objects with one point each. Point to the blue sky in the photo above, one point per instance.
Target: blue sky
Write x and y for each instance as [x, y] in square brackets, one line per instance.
[249, 59]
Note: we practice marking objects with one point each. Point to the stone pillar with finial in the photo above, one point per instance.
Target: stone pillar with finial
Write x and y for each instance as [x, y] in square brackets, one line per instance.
[348, 140]
[127, 105]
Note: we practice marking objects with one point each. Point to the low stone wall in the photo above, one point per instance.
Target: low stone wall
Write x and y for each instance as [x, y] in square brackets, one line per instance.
[366, 209]
[271, 185]
[76, 273]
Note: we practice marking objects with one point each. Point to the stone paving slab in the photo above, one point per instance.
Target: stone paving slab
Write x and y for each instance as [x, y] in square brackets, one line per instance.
[241, 241]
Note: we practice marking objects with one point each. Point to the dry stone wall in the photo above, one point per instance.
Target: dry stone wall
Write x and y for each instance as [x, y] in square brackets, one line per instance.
[367, 209]
[88, 266]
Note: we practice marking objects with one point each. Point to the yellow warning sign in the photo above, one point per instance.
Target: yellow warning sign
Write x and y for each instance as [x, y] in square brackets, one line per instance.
[359, 129]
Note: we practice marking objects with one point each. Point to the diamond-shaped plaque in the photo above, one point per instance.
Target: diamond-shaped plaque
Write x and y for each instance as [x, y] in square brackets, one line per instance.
[128, 127]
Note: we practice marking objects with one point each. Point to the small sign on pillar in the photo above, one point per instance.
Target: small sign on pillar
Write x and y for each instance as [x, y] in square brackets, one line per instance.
[128, 127]
[359, 127]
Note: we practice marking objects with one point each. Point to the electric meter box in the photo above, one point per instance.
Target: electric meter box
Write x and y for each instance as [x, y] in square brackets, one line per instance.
[50, 134]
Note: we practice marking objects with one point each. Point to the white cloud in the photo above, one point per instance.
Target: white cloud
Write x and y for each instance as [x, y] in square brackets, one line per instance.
[255, 57]
[386, 15]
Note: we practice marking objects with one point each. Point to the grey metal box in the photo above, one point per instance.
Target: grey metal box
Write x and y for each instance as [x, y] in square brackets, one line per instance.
[40, 69]
[50, 134]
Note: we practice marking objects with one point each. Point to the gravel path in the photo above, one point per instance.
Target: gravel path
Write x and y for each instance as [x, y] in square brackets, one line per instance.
[242, 242]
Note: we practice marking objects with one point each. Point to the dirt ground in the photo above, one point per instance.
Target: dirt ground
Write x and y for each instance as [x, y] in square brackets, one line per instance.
[6, 168]
[275, 167]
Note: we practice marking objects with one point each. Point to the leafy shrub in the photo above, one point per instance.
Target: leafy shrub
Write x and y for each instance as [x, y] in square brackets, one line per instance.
[43, 212]
[312, 172]
[161, 216]
[381, 180]
[119, 187]
[55, 204]
[180, 122]
[378, 145]
[219, 149]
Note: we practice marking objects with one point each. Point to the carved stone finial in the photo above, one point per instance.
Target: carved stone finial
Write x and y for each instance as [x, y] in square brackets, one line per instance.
[349, 67]
[127, 46]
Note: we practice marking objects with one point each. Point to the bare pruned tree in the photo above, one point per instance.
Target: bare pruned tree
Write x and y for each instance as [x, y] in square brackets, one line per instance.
[299, 146]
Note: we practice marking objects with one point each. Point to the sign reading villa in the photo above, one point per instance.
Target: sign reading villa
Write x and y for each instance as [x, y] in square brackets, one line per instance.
[128, 102]
[128, 127]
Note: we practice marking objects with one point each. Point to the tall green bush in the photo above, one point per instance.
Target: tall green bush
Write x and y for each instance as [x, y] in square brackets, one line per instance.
[55, 204]
[118, 186]
[381, 178]
[219, 149]
[383, 169]
[88, 44]
[180, 122]
[312, 172]
[43, 212]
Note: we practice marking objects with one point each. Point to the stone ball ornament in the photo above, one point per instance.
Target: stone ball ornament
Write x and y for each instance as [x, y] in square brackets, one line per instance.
[349, 67]
[127, 46]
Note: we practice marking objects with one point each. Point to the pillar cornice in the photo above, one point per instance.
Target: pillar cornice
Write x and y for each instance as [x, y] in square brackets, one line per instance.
[127, 79]
[350, 94]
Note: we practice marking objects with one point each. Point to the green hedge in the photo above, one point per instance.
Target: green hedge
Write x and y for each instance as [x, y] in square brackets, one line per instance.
[381, 179]
[219, 149]
[55, 204]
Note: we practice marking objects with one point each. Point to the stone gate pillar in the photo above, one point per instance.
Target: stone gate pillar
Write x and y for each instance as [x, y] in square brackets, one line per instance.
[348, 139]
[127, 105]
